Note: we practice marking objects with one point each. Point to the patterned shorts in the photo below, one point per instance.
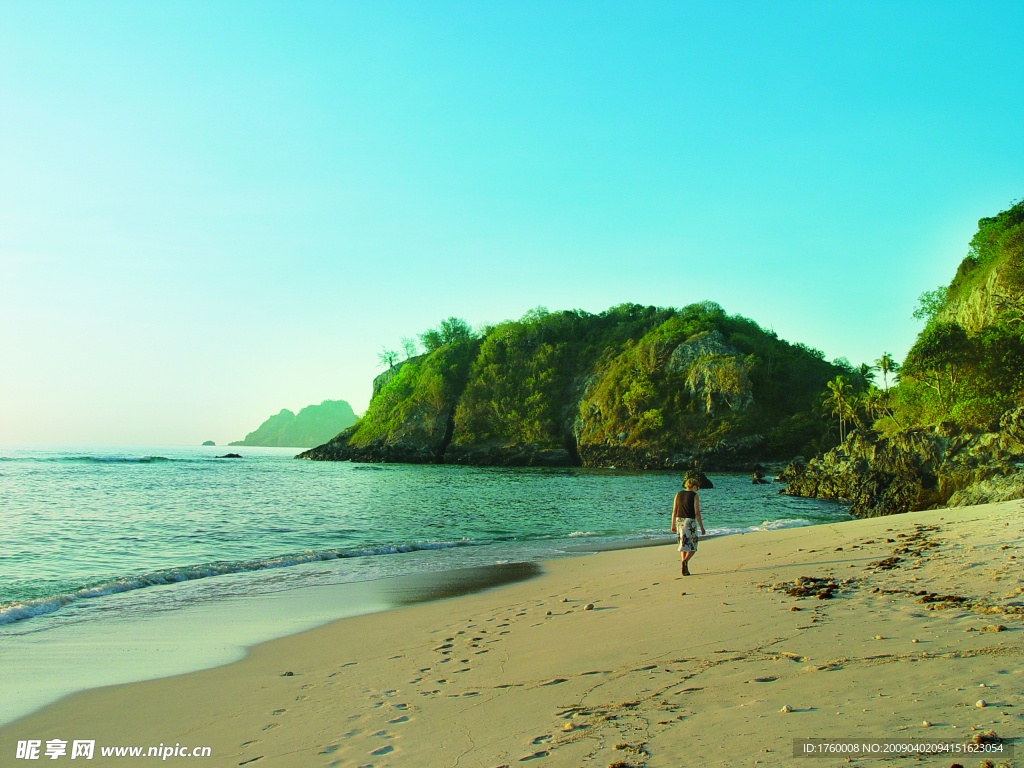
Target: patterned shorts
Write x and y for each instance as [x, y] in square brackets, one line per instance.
[687, 528]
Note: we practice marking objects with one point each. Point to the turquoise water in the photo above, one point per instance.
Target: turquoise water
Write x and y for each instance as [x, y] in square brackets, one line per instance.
[83, 524]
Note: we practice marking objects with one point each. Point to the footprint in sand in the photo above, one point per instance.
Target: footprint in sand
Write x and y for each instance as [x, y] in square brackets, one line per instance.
[383, 751]
[251, 760]
[402, 719]
[402, 707]
[330, 750]
[271, 726]
[248, 743]
[534, 756]
[278, 712]
[541, 739]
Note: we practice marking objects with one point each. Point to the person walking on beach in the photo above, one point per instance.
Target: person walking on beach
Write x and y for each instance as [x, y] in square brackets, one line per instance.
[685, 519]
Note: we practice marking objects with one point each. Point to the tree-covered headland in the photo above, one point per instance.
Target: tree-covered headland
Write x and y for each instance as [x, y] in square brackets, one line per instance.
[951, 430]
[634, 386]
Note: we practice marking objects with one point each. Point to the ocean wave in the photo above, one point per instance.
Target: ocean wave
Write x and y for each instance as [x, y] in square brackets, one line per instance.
[119, 459]
[17, 611]
[767, 525]
[104, 459]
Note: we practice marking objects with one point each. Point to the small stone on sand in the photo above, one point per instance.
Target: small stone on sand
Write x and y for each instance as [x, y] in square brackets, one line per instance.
[786, 708]
[981, 703]
[926, 724]
[588, 607]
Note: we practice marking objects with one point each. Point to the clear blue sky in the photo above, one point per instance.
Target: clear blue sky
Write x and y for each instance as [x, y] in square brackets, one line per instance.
[210, 211]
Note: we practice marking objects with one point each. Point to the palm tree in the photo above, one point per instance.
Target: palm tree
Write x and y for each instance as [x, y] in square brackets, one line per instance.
[867, 375]
[887, 364]
[840, 397]
[872, 404]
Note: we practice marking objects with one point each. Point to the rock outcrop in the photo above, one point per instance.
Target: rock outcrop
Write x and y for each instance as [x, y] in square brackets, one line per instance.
[737, 455]
[922, 468]
[982, 303]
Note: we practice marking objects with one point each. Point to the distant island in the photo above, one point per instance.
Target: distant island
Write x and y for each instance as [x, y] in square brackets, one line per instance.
[209, 442]
[313, 425]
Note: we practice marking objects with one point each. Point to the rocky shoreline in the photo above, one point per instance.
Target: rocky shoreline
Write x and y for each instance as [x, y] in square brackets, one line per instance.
[741, 455]
[917, 469]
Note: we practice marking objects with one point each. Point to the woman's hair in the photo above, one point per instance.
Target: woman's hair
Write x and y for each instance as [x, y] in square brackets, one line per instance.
[692, 484]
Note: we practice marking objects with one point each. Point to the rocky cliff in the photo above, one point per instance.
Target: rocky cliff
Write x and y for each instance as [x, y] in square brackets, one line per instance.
[989, 283]
[922, 468]
[634, 387]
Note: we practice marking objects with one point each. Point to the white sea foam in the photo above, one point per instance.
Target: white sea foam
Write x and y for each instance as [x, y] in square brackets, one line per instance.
[18, 611]
[767, 525]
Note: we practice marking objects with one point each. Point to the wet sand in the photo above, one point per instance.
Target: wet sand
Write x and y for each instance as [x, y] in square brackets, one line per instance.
[863, 629]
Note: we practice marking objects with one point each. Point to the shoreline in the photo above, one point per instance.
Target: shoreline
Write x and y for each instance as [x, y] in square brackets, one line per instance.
[165, 645]
[228, 629]
[492, 678]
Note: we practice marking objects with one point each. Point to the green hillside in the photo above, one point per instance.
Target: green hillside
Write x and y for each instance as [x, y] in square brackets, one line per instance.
[634, 386]
[967, 364]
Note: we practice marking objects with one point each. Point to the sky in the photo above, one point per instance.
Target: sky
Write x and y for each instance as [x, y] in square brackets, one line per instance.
[212, 211]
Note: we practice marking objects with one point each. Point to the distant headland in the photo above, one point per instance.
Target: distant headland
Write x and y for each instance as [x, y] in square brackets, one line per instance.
[313, 425]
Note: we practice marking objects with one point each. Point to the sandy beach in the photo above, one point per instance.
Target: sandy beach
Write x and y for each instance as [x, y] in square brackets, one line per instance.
[894, 627]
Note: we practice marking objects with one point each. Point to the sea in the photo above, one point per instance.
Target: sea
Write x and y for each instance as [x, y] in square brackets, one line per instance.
[122, 563]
